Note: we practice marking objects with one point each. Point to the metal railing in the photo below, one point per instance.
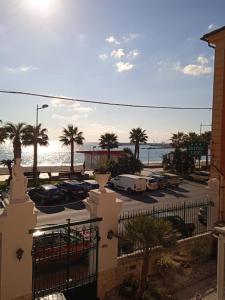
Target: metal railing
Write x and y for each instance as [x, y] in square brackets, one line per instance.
[188, 218]
[65, 257]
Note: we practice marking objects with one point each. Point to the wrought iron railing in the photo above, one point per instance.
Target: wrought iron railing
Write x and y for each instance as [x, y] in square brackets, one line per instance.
[187, 218]
[65, 257]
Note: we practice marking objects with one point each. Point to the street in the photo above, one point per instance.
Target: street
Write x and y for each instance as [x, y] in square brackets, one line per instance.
[187, 191]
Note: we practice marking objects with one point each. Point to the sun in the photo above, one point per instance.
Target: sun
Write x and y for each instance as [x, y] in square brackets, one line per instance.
[41, 6]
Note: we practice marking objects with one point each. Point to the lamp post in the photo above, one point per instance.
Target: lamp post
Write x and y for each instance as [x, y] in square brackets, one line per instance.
[35, 140]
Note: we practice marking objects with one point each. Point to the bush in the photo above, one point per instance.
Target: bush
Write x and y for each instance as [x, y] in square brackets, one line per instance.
[200, 249]
[165, 265]
[129, 288]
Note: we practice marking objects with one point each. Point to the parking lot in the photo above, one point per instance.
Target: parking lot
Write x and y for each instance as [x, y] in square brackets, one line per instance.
[187, 191]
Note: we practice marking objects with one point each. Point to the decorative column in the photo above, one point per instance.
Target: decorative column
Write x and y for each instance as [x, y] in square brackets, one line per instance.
[220, 262]
[16, 241]
[103, 203]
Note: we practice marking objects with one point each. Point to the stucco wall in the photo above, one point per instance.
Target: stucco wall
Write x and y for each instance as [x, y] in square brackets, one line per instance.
[131, 265]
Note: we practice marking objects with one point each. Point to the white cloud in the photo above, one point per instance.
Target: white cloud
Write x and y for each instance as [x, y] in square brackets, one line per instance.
[103, 56]
[196, 70]
[130, 36]
[74, 105]
[63, 117]
[202, 60]
[20, 69]
[124, 66]
[112, 40]
[133, 54]
[118, 53]
[202, 67]
[212, 27]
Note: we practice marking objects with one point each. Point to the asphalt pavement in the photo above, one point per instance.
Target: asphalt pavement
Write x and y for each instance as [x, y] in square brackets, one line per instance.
[187, 191]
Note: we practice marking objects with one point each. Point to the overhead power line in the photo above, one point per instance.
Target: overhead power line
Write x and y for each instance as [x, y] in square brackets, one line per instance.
[102, 102]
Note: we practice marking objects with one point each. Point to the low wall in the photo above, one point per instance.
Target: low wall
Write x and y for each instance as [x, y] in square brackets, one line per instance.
[130, 265]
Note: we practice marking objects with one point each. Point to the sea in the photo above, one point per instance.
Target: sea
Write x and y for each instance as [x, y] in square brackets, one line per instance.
[55, 154]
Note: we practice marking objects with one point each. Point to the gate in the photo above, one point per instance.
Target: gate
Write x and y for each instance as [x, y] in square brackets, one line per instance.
[65, 260]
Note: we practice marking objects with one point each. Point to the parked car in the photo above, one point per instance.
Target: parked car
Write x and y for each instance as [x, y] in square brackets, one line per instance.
[161, 179]
[173, 180]
[90, 184]
[203, 214]
[202, 176]
[46, 194]
[152, 184]
[73, 190]
[51, 246]
[128, 182]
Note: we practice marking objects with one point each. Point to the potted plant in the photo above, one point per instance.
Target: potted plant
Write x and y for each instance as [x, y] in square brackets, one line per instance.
[102, 174]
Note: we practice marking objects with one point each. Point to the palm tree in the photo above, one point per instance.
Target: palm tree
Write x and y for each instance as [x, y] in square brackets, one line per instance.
[137, 136]
[70, 136]
[34, 136]
[147, 232]
[3, 134]
[108, 141]
[8, 164]
[15, 133]
[206, 138]
[178, 140]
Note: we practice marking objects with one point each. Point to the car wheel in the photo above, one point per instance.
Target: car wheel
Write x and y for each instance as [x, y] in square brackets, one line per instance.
[129, 191]
[67, 198]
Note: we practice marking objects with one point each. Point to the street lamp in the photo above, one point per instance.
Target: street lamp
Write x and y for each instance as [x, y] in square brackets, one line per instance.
[37, 109]
[35, 140]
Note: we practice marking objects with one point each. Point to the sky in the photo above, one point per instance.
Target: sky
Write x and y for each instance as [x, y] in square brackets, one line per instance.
[145, 52]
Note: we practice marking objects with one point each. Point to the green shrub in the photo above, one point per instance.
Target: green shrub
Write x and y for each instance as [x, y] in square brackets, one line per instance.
[200, 249]
[165, 264]
[129, 288]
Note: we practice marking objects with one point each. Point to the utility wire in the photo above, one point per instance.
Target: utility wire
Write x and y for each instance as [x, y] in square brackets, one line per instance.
[102, 102]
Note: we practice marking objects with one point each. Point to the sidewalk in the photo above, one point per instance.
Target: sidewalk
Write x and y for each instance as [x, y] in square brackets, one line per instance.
[206, 288]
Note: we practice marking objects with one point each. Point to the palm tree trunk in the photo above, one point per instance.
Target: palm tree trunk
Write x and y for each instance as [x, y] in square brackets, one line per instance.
[35, 161]
[108, 154]
[72, 158]
[138, 150]
[135, 150]
[17, 149]
[144, 274]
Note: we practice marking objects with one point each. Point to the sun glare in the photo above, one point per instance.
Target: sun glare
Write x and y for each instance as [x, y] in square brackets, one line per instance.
[41, 6]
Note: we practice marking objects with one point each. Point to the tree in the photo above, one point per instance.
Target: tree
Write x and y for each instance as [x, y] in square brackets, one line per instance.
[127, 164]
[206, 138]
[178, 140]
[3, 134]
[15, 133]
[8, 163]
[108, 141]
[137, 136]
[147, 232]
[71, 136]
[34, 136]
[179, 160]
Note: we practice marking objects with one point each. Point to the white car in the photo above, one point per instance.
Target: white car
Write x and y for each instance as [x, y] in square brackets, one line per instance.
[128, 182]
[152, 184]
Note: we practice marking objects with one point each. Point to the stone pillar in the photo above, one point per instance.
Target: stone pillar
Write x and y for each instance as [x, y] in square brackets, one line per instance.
[105, 204]
[16, 241]
[220, 267]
